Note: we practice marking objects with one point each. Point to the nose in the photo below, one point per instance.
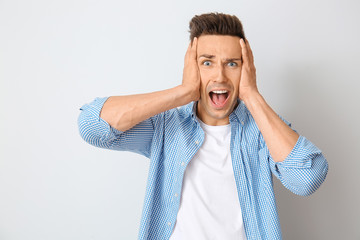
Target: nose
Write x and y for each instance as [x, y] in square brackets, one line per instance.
[220, 74]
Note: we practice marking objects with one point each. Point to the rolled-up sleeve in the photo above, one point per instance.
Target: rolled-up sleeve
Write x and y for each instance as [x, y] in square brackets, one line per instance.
[97, 132]
[303, 170]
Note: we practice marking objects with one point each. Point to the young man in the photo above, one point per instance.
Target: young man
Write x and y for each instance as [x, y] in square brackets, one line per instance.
[212, 160]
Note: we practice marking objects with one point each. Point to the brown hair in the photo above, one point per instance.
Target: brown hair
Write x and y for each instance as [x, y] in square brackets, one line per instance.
[215, 24]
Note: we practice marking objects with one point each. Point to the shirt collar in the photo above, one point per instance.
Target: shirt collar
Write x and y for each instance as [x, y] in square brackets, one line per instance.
[238, 115]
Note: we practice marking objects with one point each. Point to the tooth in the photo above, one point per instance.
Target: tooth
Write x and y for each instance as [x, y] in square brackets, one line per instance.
[219, 91]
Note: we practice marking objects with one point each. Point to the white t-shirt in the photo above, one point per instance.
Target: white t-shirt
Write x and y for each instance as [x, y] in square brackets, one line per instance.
[209, 205]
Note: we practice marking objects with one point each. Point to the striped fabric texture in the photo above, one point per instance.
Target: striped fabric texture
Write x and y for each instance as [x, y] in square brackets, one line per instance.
[171, 139]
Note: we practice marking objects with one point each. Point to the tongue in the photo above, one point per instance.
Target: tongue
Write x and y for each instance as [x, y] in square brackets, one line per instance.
[219, 99]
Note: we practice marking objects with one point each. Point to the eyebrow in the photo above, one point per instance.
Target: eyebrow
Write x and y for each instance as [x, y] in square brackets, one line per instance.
[207, 56]
[212, 56]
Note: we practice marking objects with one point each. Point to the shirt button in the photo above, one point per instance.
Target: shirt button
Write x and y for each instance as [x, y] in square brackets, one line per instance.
[197, 142]
[182, 164]
[242, 122]
[169, 223]
[176, 194]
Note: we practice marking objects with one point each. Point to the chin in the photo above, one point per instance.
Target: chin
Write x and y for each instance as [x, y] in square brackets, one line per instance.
[208, 112]
[219, 114]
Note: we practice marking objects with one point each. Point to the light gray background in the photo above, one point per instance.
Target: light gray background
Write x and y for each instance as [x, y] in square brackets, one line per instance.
[57, 55]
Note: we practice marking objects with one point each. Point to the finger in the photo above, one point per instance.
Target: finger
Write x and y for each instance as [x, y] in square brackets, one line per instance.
[189, 47]
[188, 51]
[244, 52]
[251, 56]
[194, 49]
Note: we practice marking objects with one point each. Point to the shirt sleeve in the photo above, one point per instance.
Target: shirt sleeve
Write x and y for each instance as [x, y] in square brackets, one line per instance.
[96, 131]
[303, 170]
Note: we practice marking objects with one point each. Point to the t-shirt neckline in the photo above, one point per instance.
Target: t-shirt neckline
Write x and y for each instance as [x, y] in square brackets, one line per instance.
[212, 127]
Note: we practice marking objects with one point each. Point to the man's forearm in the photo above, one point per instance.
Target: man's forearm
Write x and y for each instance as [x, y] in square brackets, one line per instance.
[278, 136]
[124, 112]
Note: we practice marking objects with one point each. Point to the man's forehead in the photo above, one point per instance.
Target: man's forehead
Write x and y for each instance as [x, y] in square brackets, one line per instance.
[218, 39]
[218, 45]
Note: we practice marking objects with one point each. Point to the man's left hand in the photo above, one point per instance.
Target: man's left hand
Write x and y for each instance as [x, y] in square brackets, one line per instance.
[247, 84]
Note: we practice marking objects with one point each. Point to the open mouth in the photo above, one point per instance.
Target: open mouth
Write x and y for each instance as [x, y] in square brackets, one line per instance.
[219, 98]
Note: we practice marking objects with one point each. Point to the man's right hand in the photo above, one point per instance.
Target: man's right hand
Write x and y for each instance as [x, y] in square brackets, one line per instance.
[124, 112]
[191, 75]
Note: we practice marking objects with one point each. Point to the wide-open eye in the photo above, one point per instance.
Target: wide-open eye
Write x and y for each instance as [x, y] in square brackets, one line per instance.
[206, 63]
[232, 64]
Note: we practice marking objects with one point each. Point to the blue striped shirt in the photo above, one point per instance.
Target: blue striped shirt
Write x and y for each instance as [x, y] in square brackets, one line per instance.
[171, 139]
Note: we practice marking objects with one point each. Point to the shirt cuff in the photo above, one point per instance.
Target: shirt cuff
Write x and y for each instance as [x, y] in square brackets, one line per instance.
[301, 156]
[93, 119]
[94, 108]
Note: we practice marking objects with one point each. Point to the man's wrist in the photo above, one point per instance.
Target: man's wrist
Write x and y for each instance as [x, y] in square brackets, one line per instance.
[251, 97]
[188, 94]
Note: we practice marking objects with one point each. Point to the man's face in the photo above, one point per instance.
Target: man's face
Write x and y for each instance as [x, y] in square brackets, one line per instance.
[219, 61]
